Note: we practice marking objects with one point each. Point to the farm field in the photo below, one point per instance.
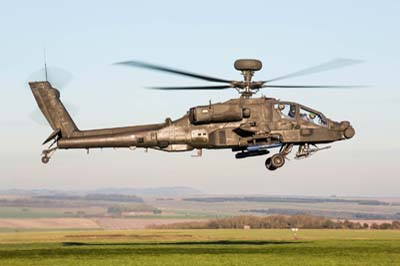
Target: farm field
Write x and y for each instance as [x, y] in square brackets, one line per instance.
[201, 247]
[45, 224]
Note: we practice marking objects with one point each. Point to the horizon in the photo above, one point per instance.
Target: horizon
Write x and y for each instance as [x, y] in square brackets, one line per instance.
[198, 192]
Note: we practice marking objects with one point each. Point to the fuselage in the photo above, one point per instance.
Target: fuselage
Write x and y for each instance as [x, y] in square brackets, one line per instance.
[235, 124]
[248, 126]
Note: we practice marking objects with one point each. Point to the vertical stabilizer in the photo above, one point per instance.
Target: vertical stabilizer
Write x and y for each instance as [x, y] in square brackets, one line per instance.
[48, 100]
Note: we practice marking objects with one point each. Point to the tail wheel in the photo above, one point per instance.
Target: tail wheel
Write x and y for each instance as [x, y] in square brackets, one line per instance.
[45, 159]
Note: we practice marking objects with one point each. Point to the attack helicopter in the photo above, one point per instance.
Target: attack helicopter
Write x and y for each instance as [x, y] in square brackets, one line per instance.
[246, 125]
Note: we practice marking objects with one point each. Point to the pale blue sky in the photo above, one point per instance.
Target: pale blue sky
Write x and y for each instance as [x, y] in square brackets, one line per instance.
[86, 37]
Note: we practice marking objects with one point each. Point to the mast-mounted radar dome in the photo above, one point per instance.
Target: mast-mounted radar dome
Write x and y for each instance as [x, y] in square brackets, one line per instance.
[248, 64]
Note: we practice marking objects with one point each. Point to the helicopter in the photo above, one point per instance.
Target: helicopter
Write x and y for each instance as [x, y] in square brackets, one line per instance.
[246, 125]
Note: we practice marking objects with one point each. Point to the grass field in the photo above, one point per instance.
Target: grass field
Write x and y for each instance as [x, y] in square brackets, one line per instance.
[201, 247]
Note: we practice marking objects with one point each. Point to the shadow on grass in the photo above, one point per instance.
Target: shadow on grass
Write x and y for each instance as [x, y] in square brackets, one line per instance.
[90, 250]
[186, 243]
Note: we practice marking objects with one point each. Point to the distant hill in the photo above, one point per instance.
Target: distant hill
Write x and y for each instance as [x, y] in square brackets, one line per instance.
[150, 191]
[156, 191]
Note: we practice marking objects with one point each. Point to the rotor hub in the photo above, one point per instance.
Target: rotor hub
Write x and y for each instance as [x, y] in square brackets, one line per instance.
[247, 66]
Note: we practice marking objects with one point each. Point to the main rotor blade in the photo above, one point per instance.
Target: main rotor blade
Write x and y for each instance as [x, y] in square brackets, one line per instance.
[171, 70]
[315, 86]
[330, 65]
[218, 87]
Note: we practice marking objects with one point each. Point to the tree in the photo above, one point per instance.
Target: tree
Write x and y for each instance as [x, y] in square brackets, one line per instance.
[385, 226]
[396, 225]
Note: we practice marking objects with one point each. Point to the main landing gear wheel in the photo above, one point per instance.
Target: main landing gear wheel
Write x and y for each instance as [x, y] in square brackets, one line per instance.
[275, 162]
[268, 164]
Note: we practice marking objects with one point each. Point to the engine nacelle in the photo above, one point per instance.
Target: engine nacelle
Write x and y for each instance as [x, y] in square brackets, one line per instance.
[216, 113]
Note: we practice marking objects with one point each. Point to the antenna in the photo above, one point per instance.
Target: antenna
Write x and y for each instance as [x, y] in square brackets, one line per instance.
[45, 63]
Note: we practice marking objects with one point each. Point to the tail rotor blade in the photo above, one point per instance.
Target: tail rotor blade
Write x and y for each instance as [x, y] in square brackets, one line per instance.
[58, 77]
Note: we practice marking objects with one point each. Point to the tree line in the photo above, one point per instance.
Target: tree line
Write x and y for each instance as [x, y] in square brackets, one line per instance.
[324, 213]
[277, 222]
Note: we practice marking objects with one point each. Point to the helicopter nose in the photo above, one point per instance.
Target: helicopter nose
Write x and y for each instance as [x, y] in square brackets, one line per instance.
[347, 129]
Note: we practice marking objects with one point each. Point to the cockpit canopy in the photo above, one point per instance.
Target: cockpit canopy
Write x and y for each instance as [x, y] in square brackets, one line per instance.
[290, 110]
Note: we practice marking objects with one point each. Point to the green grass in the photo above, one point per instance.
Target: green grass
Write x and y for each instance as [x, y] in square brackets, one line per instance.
[201, 247]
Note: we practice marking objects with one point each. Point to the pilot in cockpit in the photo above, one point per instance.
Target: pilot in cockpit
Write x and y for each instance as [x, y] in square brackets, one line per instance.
[287, 110]
[292, 111]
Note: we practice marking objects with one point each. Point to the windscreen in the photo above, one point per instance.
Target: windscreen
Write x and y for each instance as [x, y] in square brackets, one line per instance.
[312, 116]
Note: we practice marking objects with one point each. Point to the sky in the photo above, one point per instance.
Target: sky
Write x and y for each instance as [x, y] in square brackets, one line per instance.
[87, 37]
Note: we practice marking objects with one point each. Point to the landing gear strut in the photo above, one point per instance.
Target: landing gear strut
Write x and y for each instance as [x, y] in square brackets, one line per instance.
[46, 154]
